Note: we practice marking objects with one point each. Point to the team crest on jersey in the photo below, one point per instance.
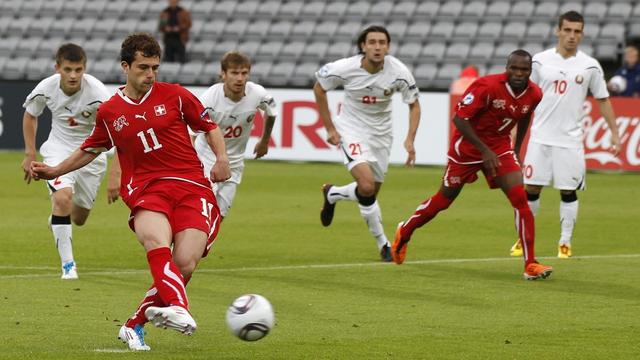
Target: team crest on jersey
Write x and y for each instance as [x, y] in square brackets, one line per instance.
[499, 103]
[388, 92]
[579, 79]
[160, 110]
[86, 114]
[324, 71]
[120, 122]
[525, 109]
[468, 99]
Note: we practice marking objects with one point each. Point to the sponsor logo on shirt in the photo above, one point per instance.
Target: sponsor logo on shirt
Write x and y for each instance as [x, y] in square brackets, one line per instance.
[120, 122]
[499, 103]
[142, 116]
[160, 110]
[513, 108]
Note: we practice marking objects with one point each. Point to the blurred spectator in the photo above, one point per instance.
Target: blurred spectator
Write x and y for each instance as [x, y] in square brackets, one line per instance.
[175, 23]
[467, 76]
[626, 81]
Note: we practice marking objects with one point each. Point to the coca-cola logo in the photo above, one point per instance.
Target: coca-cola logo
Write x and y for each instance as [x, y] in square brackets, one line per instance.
[597, 141]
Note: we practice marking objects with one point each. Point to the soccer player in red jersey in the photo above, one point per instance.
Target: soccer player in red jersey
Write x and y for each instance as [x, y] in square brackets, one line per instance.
[481, 141]
[162, 181]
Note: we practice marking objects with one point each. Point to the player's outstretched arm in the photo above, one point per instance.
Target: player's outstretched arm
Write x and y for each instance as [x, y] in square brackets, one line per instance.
[262, 147]
[522, 128]
[414, 121]
[113, 183]
[76, 160]
[490, 160]
[607, 112]
[29, 128]
[333, 137]
[220, 171]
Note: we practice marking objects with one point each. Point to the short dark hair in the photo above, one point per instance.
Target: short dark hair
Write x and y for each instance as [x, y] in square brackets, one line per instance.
[373, 28]
[519, 52]
[234, 59]
[570, 16]
[70, 52]
[144, 43]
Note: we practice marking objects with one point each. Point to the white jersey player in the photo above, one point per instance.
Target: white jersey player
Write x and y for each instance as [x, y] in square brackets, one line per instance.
[555, 153]
[233, 104]
[73, 98]
[363, 130]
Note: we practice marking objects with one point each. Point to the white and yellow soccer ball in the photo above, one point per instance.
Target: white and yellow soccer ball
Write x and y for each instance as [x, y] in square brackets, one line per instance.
[618, 84]
[250, 317]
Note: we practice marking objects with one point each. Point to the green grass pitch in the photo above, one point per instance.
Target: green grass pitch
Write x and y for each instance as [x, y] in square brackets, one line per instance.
[459, 296]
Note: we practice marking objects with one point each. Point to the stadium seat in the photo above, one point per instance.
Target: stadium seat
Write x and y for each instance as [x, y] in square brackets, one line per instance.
[14, 69]
[546, 10]
[359, 9]
[82, 27]
[150, 26]
[481, 51]
[257, 29]
[533, 47]
[634, 30]
[5, 21]
[249, 47]
[27, 8]
[408, 52]
[195, 33]
[612, 31]
[335, 10]
[279, 73]
[27, 46]
[3, 60]
[220, 48]
[220, 10]
[259, 71]
[199, 50]
[606, 52]
[457, 52]
[348, 30]
[10, 7]
[587, 49]
[193, 73]
[114, 9]
[433, 51]
[497, 10]
[418, 30]
[235, 29]
[304, 74]
[93, 48]
[522, 10]
[138, 10]
[496, 68]
[473, 10]
[380, 11]
[246, 9]
[291, 9]
[450, 10]
[466, 30]
[292, 50]
[169, 72]
[315, 51]
[38, 28]
[569, 6]
[396, 30]
[269, 50]
[503, 50]
[403, 10]
[19, 26]
[313, 9]
[619, 11]
[445, 75]
[594, 11]
[281, 29]
[124, 27]
[539, 31]
[61, 27]
[325, 29]
[111, 49]
[39, 68]
[102, 28]
[591, 32]
[339, 50]
[46, 48]
[442, 30]
[211, 30]
[303, 29]
[514, 30]
[426, 11]
[51, 7]
[490, 30]
[636, 11]
[425, 71]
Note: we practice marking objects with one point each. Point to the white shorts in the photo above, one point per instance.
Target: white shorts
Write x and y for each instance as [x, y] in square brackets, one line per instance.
[565, 166]
[226, 191]
[84, 182]
[356, 151]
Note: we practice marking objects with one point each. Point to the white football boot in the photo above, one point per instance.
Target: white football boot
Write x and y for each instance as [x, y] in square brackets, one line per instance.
[133, 337]
[69, 271]
[174, 317]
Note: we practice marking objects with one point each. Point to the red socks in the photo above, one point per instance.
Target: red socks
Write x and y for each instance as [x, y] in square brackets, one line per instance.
[525, 225]
[424, 213]
[167, 278]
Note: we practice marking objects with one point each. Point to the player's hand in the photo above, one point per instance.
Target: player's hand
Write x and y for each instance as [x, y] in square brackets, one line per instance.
[333, 137]
[491, 162]
[261, 149]
[220, 171]
[615, 147]
[26, 165]
[411, 151]
[113, 188]
[39, 170]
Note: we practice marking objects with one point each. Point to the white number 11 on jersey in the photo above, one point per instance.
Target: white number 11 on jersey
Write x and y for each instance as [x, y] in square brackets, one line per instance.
[154, 139]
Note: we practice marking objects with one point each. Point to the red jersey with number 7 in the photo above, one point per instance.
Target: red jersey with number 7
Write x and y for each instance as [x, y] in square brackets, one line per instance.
[151, 136]
[492, 109]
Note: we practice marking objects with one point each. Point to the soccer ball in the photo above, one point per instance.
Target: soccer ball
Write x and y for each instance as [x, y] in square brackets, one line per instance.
[618, 84]
[250, 317]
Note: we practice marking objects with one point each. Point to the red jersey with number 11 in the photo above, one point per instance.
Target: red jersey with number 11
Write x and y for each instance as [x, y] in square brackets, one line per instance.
[492, 109]
[151, 136]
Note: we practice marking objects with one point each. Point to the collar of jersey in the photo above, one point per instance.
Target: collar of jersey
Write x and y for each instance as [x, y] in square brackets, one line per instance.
[128, 100]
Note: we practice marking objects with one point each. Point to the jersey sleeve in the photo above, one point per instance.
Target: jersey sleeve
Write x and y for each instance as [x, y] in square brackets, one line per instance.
[100, 139]
[329, 76]
[475, 100]
[267, 104]
[535, 70]
[36, 101]
[597, 84]
[193, 113]
[407, 86]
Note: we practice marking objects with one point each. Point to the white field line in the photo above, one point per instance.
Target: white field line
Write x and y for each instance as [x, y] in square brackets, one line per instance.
[111, 350]
[111, 272]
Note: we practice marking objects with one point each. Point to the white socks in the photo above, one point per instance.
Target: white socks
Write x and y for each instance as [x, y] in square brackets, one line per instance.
[373, 217]
[568, 216]
[62, 237]
[346, 192]
[534, 206]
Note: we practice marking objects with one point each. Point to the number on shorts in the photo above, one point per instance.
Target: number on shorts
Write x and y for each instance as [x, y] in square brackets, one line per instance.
[206, 208]
[154, 139]
[355, 149]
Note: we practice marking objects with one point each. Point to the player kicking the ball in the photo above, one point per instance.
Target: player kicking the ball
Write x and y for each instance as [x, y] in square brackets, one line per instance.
[171, 201]
[489, 109]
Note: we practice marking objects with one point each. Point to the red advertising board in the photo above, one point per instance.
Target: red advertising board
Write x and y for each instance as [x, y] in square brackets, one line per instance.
[597, 137]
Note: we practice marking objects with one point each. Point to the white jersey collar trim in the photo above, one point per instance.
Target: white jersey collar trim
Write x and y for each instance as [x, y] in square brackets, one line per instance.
[513, 94]
[128, 100]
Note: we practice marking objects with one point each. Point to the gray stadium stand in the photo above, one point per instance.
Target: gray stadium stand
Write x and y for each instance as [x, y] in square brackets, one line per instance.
[403, 10]
[408, 52]
[93, 48]
[220, 48]
[418, 30]
[8, 46]
[26, 47]
[38, 69]
[546, 10]
[199, 50]
[396, 30]
[619, 11]
[457, 52]
[47, 49]
[339, 50]
[335, 10]
[424, 74]
[522, 9]
[314, 51]
[114, 8]
[606, 51]
[538, 31]
[222, 9]
[246, 9]
[450, 9]
[570, 6]
[442, 30]
[249, 47]
[481, 52]
[169, 72]
[82, 27]
[348, 30]
[149, 26]
[280, 72]
[446, 74]
[433, 51]
[269, 50]
[497, 10]
[465, 30]
[29, 8]
[513, 30]
[292, 50]
[268, 9]
[40, 27]
[312, 10]
[426, 10]
[303, 75]
[325, 29]
[210, 29]
[291, 9]
[612, 31]
[473, 10]
[280, 29]
[358, 9]
[260, 71]
[19, 26]
[15, 68]
[193, 72]
[257, 29]
[594, 11]
[381, 11]
[51, 8]
[303, 29]
[235, 29]
[490, 30]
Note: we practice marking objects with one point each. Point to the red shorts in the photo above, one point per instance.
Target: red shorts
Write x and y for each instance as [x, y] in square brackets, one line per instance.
[186, 205]
[456, 174]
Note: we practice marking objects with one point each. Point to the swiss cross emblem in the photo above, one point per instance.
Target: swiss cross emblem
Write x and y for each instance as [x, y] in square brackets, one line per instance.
[160, 110]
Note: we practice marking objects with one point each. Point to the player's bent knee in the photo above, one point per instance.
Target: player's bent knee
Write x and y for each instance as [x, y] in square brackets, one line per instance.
[518, 198]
